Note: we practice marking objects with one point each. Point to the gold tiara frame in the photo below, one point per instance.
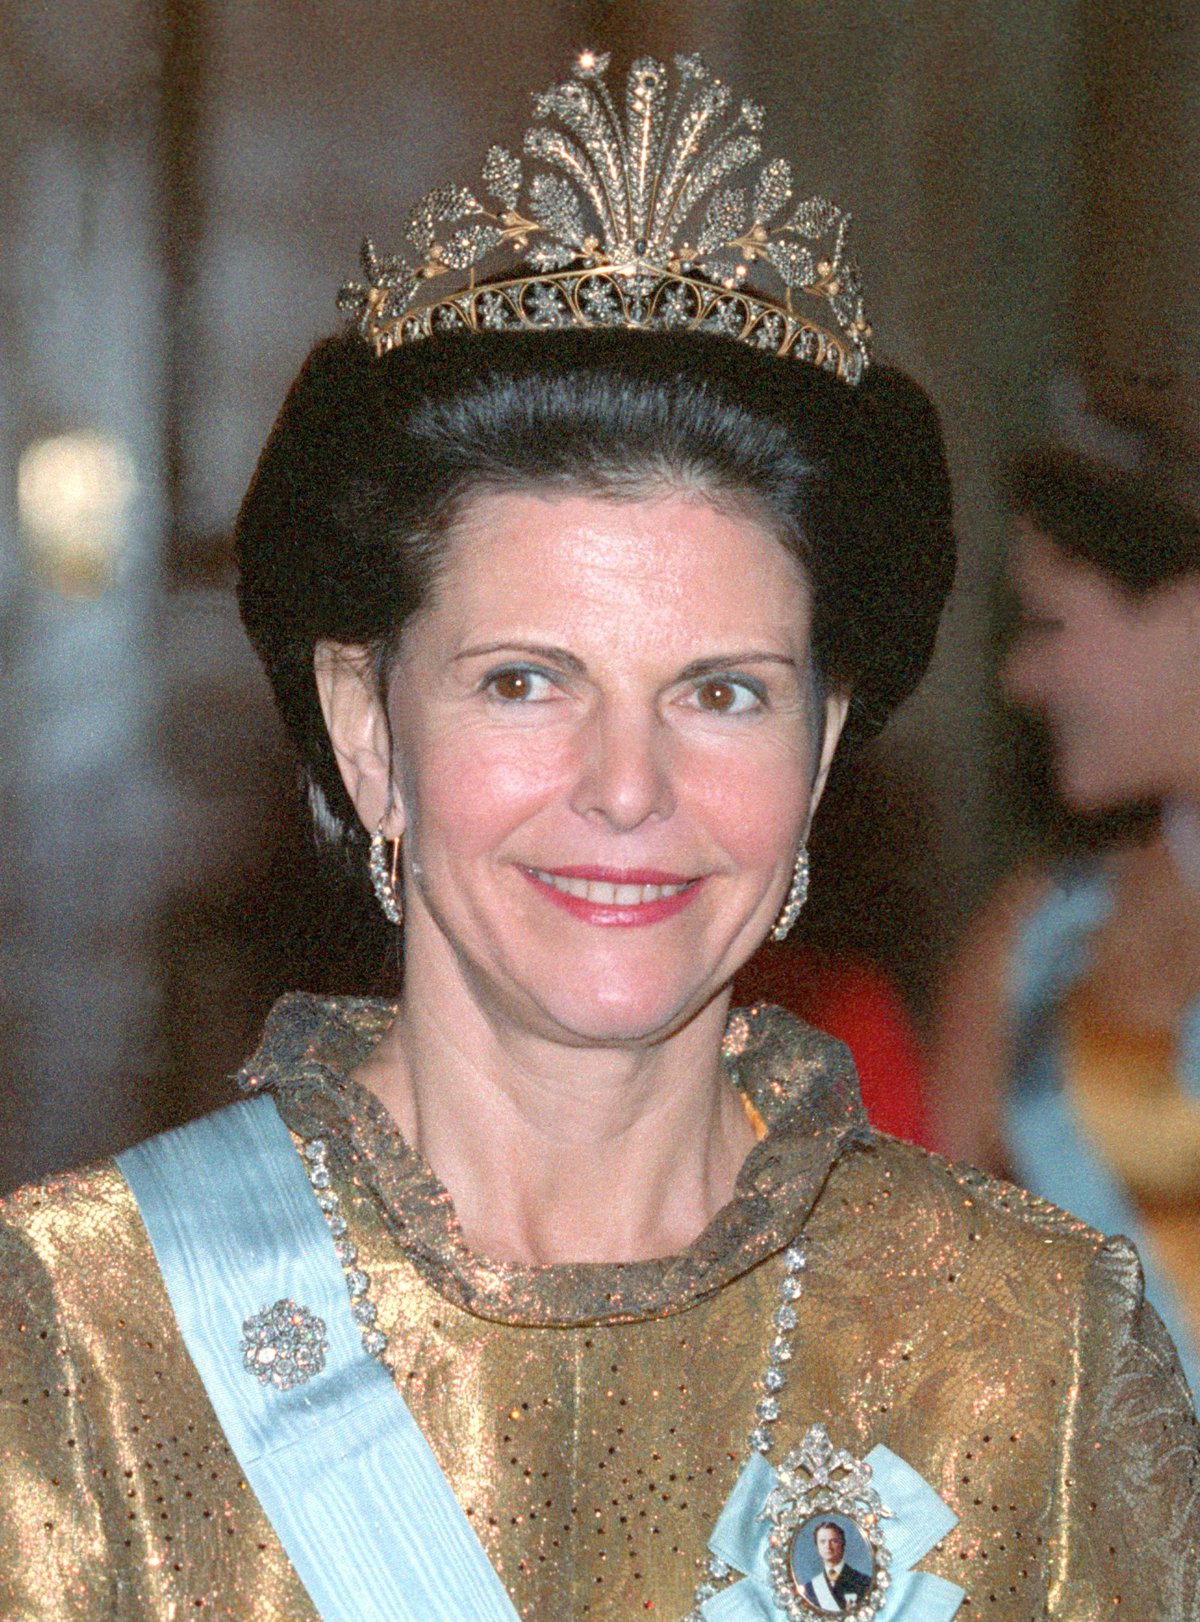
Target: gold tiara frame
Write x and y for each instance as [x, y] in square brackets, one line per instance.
[607, 237]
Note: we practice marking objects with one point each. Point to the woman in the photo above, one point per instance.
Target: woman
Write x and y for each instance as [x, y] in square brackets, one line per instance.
[552, 1290]
[1069, 1040]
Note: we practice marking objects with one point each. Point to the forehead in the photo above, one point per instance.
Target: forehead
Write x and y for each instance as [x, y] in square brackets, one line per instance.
[586, 559]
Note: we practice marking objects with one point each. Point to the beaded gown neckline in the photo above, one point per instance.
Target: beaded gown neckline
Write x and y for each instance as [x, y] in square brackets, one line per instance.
[800, 1081]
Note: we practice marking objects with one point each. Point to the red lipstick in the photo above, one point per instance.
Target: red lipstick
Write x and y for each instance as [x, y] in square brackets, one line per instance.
[612, 914]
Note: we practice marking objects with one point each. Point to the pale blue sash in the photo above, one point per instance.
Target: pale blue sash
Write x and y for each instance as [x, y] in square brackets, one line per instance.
[340, 1466]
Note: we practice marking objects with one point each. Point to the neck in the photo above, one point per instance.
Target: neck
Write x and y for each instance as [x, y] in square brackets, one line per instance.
[553, 1152]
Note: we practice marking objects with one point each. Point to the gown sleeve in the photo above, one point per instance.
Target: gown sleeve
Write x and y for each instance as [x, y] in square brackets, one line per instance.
[1127, 1498]
[53, 1558]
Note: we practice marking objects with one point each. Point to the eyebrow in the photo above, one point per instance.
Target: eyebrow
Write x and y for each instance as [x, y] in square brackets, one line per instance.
[571, 661]
[727, 661]
[554, 656]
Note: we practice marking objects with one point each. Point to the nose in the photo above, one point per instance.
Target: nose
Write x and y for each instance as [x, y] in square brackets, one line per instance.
[625, 770]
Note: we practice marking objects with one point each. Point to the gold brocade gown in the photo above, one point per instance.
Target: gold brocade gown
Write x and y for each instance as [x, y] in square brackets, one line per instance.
[592, 1419]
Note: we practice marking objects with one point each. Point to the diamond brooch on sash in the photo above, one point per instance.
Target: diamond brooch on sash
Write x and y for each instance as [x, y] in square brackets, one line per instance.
[284, 1345]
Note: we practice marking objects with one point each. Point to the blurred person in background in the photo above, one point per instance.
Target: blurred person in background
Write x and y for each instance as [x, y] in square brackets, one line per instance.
[1068, 1052]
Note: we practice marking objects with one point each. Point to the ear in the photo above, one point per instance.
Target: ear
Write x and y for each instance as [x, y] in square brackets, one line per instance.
[356, 720]
[837, 707]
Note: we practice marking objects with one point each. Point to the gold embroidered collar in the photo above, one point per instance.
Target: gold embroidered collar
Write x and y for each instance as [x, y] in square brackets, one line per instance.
[800, 1081]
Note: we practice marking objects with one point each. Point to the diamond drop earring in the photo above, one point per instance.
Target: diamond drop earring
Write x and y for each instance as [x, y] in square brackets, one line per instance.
[796, 897]
[383, 876]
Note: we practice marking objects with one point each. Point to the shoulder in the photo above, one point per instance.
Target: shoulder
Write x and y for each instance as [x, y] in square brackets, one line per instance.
[57, 1239]
[69, 1231]
[966, 1234]
[949, 1269]
[47, 1220]
[972, 1201]
[1030, 913]
[969, 1066]
[1036, 1269]
[77, 1266]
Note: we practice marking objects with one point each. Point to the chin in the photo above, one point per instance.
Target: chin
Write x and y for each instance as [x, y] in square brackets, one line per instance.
[631, 1012]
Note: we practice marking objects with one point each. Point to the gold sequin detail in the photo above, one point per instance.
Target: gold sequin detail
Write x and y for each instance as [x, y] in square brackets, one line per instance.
[999, 1347]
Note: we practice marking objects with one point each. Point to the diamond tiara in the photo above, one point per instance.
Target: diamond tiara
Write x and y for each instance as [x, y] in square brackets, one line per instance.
[605, 241]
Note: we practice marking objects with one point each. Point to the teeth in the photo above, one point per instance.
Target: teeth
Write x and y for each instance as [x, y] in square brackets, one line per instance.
[610, 895]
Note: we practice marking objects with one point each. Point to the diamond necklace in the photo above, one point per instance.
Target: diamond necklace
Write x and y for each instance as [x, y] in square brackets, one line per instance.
[362, 1308]
[774, 1378]
[767, 1410]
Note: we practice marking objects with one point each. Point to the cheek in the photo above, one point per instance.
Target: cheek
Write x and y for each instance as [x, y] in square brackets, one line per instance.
[1032, 670]
[754, 799]
[1113, 689]
[474, 785]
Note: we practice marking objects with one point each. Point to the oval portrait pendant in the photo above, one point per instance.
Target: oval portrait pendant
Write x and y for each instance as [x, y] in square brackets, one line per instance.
[826, 1551]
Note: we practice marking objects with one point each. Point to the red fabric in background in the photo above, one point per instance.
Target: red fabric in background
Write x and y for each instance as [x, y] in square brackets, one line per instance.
[855, 1001]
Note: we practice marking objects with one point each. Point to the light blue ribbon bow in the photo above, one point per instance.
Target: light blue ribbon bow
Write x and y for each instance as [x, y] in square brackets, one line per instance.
[918, 1520]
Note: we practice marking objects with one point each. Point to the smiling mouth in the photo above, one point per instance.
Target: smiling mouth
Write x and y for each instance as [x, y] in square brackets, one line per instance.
[604, 894]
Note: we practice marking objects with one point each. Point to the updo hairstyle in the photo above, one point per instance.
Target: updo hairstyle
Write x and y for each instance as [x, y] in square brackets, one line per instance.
[345, 525]
[1136, 527]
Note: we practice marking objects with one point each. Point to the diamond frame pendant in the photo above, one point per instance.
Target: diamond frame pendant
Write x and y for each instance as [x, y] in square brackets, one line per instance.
[816, 1479]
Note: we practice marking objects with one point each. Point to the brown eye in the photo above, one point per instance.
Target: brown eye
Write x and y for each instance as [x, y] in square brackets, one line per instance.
[722, 695]
[717, 695]
[511, 684]
[518, 685]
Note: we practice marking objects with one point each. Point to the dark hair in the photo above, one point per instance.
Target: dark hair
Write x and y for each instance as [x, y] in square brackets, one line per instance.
[340, 535]
[1132, 526]
[829, 1526]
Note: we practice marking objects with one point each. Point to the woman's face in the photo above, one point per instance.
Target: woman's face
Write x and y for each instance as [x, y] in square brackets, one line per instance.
[604, 756]
[1116, 678]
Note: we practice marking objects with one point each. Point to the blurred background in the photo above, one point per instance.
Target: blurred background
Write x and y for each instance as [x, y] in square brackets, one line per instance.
[183, 186]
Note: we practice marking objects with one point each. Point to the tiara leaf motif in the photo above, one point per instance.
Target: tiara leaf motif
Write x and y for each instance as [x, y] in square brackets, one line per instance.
[605, 225]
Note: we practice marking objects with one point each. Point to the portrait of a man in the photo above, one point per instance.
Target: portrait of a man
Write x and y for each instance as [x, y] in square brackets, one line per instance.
[837, 1587]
